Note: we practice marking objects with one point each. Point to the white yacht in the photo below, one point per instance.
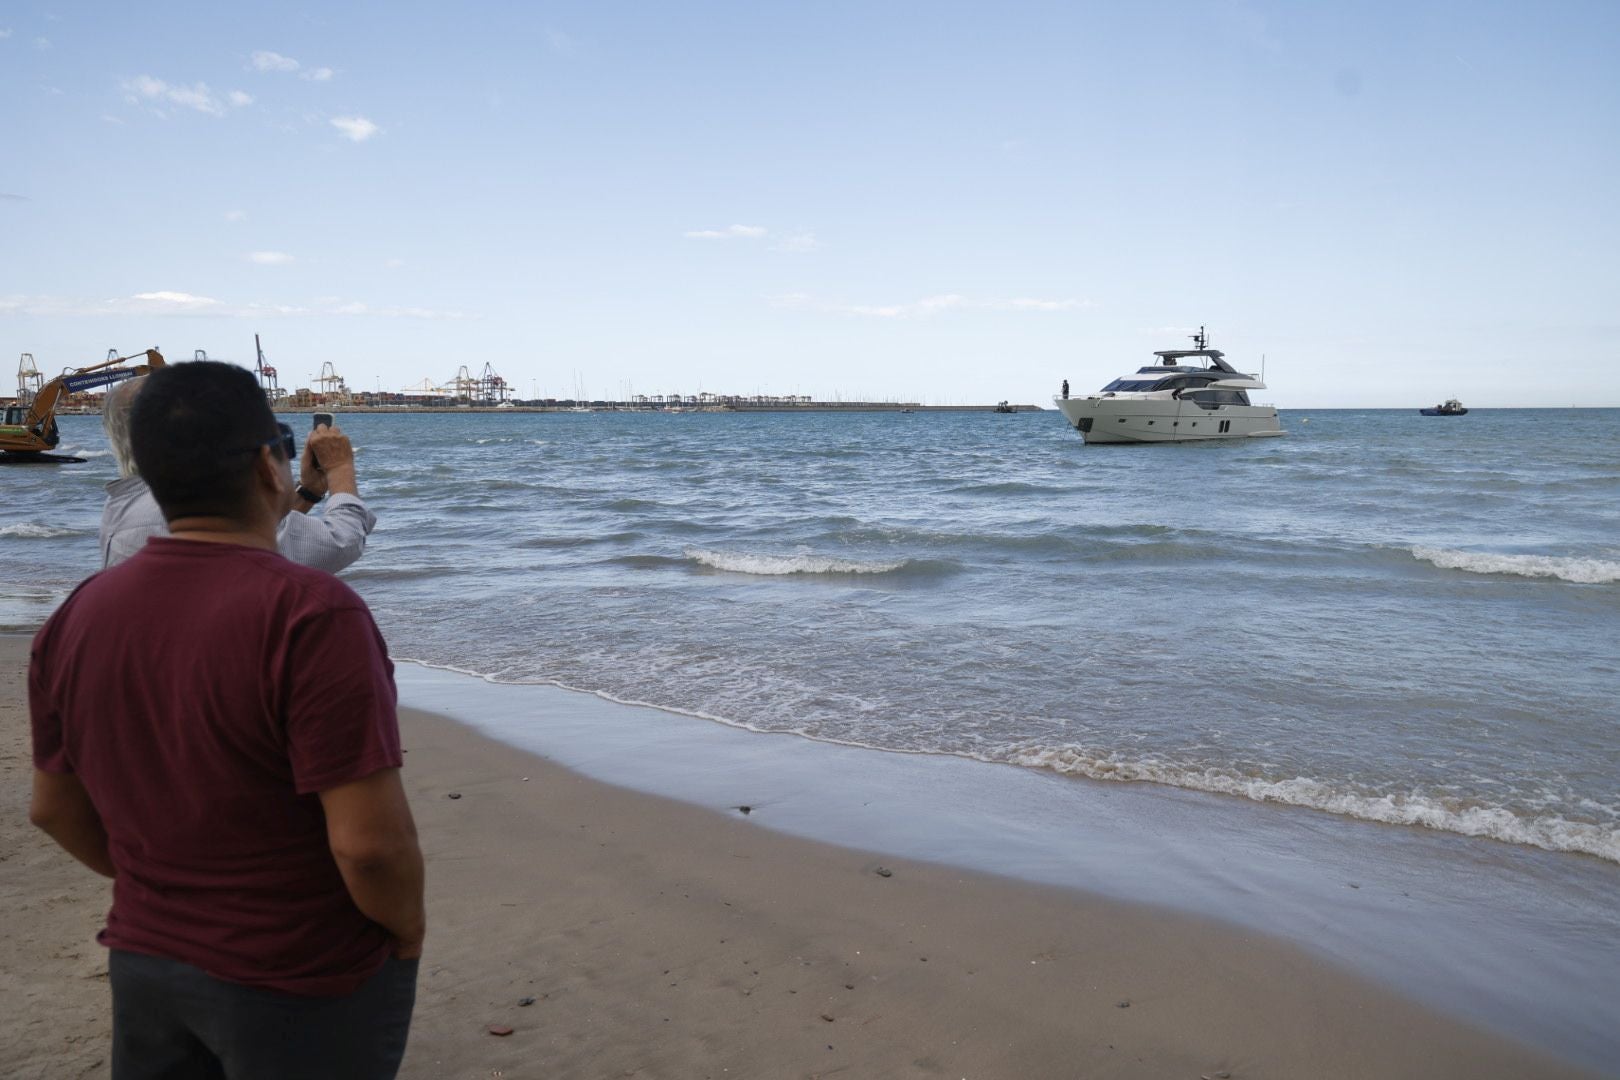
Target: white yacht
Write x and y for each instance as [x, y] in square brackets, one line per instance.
[1189, 394]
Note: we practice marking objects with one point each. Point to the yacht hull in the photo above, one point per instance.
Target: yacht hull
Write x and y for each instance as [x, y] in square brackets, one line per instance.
[1163, 419]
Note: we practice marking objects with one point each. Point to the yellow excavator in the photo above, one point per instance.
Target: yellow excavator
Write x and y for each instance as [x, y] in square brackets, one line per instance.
[29, 430]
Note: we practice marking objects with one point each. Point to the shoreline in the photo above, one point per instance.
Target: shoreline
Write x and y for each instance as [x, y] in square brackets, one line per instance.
[1515, 939]
[660, 938]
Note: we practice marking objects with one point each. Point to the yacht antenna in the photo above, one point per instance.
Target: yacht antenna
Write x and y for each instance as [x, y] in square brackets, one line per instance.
[1200, 339]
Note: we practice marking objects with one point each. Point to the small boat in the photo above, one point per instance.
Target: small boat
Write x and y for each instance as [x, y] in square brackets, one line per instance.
[1004, 407]
[1448, 407]
[1190, 394]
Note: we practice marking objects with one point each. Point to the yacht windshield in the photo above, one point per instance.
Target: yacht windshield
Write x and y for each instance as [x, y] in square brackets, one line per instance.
[1131, 385]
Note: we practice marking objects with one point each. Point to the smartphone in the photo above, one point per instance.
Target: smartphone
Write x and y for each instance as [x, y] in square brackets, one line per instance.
[321, 418]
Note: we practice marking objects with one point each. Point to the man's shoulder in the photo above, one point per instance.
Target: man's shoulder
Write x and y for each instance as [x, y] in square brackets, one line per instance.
[240, 565]
[130, 497]
[126, 488]
[317, 586]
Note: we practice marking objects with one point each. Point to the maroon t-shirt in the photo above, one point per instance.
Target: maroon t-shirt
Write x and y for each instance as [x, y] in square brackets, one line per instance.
[204, 694]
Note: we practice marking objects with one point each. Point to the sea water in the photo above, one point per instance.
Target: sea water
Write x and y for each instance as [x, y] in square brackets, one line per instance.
[1382, 617]
[1399, 618]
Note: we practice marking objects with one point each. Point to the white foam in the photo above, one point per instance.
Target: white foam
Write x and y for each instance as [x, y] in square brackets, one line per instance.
[1552, 832]
[774, 565]
[1584, 571]
[32, 530]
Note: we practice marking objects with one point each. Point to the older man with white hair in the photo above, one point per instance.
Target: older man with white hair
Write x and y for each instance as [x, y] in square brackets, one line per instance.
[330, 541]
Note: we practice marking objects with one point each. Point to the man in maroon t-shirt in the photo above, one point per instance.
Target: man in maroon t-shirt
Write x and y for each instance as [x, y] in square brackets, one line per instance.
[214, 730]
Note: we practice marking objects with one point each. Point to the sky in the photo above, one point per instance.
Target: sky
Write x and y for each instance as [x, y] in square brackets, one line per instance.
[1388, 203]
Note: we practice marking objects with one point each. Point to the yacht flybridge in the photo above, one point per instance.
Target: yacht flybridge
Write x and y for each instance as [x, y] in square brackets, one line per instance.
[1189, 394]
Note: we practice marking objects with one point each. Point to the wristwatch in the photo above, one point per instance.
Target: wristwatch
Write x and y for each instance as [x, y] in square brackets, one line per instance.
[308, 495]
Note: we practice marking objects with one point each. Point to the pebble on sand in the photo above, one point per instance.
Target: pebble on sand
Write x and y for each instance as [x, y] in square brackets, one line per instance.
[499, 1029]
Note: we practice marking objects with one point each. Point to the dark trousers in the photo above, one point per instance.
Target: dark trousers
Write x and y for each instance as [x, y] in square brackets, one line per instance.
[173, 1022]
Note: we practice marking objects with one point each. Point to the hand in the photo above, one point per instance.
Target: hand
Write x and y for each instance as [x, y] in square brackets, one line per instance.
[309, 470]
[328, 448]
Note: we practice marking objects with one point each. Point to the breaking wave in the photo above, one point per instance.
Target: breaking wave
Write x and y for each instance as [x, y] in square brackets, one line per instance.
[1551, 832]
[31, 530]
[775, 565]
[1583, 571]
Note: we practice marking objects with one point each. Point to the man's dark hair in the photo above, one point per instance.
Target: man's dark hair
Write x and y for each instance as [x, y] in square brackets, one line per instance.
[195, 430]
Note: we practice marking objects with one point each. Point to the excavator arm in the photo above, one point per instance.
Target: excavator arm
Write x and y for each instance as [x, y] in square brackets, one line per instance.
[37, 431]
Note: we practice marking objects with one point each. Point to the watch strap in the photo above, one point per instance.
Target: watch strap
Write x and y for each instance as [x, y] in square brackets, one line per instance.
[308, 495]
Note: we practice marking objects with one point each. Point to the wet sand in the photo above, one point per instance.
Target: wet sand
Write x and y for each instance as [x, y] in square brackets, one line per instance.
[658, 939]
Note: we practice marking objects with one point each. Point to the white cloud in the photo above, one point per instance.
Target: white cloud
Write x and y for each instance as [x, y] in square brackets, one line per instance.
[273, 61]
[356, 128]
[162, 302]
[560, 43]
[5, 32]
[144, 89]
[236, 215]
[928, 306]
[170, 303]
[1025, 303]
[394, 264]
[41, 44]
[354, 307]
[799, 241]
[264, 60]
[730, 232]
[269, 258]
[178, 300]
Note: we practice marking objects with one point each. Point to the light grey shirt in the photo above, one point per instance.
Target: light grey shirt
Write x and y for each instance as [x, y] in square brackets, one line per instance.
[327, 542]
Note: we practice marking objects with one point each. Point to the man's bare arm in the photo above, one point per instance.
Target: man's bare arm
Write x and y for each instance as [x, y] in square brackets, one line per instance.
[373, 838]
[63, 809]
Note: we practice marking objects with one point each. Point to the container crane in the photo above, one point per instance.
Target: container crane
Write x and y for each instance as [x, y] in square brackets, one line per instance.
[334, 391]
[267, 375]
[29, 380]
[464, 388]
[492, 389]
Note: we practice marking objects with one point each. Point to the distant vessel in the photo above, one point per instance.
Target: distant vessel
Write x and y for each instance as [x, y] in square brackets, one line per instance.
[1177, 399]
[1448, 407]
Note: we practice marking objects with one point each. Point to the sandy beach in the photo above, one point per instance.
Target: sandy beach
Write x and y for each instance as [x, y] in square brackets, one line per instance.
[623, 935]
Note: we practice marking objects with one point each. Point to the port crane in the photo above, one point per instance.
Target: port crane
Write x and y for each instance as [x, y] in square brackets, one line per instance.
[334, 391]
[267, 375]
[29, 380]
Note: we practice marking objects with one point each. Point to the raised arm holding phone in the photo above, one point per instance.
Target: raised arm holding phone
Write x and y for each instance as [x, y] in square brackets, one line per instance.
[330, 540]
